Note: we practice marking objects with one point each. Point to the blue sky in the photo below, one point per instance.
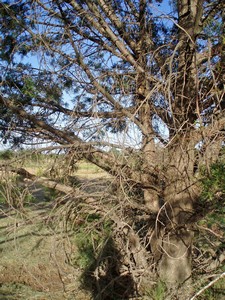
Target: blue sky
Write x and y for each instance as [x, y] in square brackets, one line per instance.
[159, 9]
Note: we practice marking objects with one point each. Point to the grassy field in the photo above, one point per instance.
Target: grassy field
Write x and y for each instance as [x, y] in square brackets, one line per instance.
[35, 249]
[34, 258]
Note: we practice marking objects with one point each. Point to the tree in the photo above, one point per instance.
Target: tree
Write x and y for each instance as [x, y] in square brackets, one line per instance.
[128, 68]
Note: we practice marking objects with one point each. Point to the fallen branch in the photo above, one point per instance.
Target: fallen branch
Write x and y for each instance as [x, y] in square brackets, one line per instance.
[44, 181]
[73, 192]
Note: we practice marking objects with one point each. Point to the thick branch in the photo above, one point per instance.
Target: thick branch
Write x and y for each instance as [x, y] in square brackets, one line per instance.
[45, 181]
[102, 27]
[102, 159]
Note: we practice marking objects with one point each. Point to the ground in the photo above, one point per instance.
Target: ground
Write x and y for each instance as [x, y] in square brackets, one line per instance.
[35, 256]
[34, 261]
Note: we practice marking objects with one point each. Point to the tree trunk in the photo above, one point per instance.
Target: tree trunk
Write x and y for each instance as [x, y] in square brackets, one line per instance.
[171, 244]
[171, 237]
[175, 264]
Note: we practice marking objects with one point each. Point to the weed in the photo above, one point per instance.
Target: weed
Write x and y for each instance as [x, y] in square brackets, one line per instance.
[89, 242]
[157, 292]
[6, 154]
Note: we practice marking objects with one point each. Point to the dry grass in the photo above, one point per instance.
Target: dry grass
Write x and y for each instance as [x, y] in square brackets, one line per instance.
[35, 255]
[34, 258]
[85, 170]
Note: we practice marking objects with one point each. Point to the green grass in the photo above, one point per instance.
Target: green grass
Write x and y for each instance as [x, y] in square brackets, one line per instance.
[157, 292]
[40, 163]
[215, 292]
[84, 166]
[88, 241]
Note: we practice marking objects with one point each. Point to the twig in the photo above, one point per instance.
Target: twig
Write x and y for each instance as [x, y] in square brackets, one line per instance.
[211, 231]
[208, 285]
